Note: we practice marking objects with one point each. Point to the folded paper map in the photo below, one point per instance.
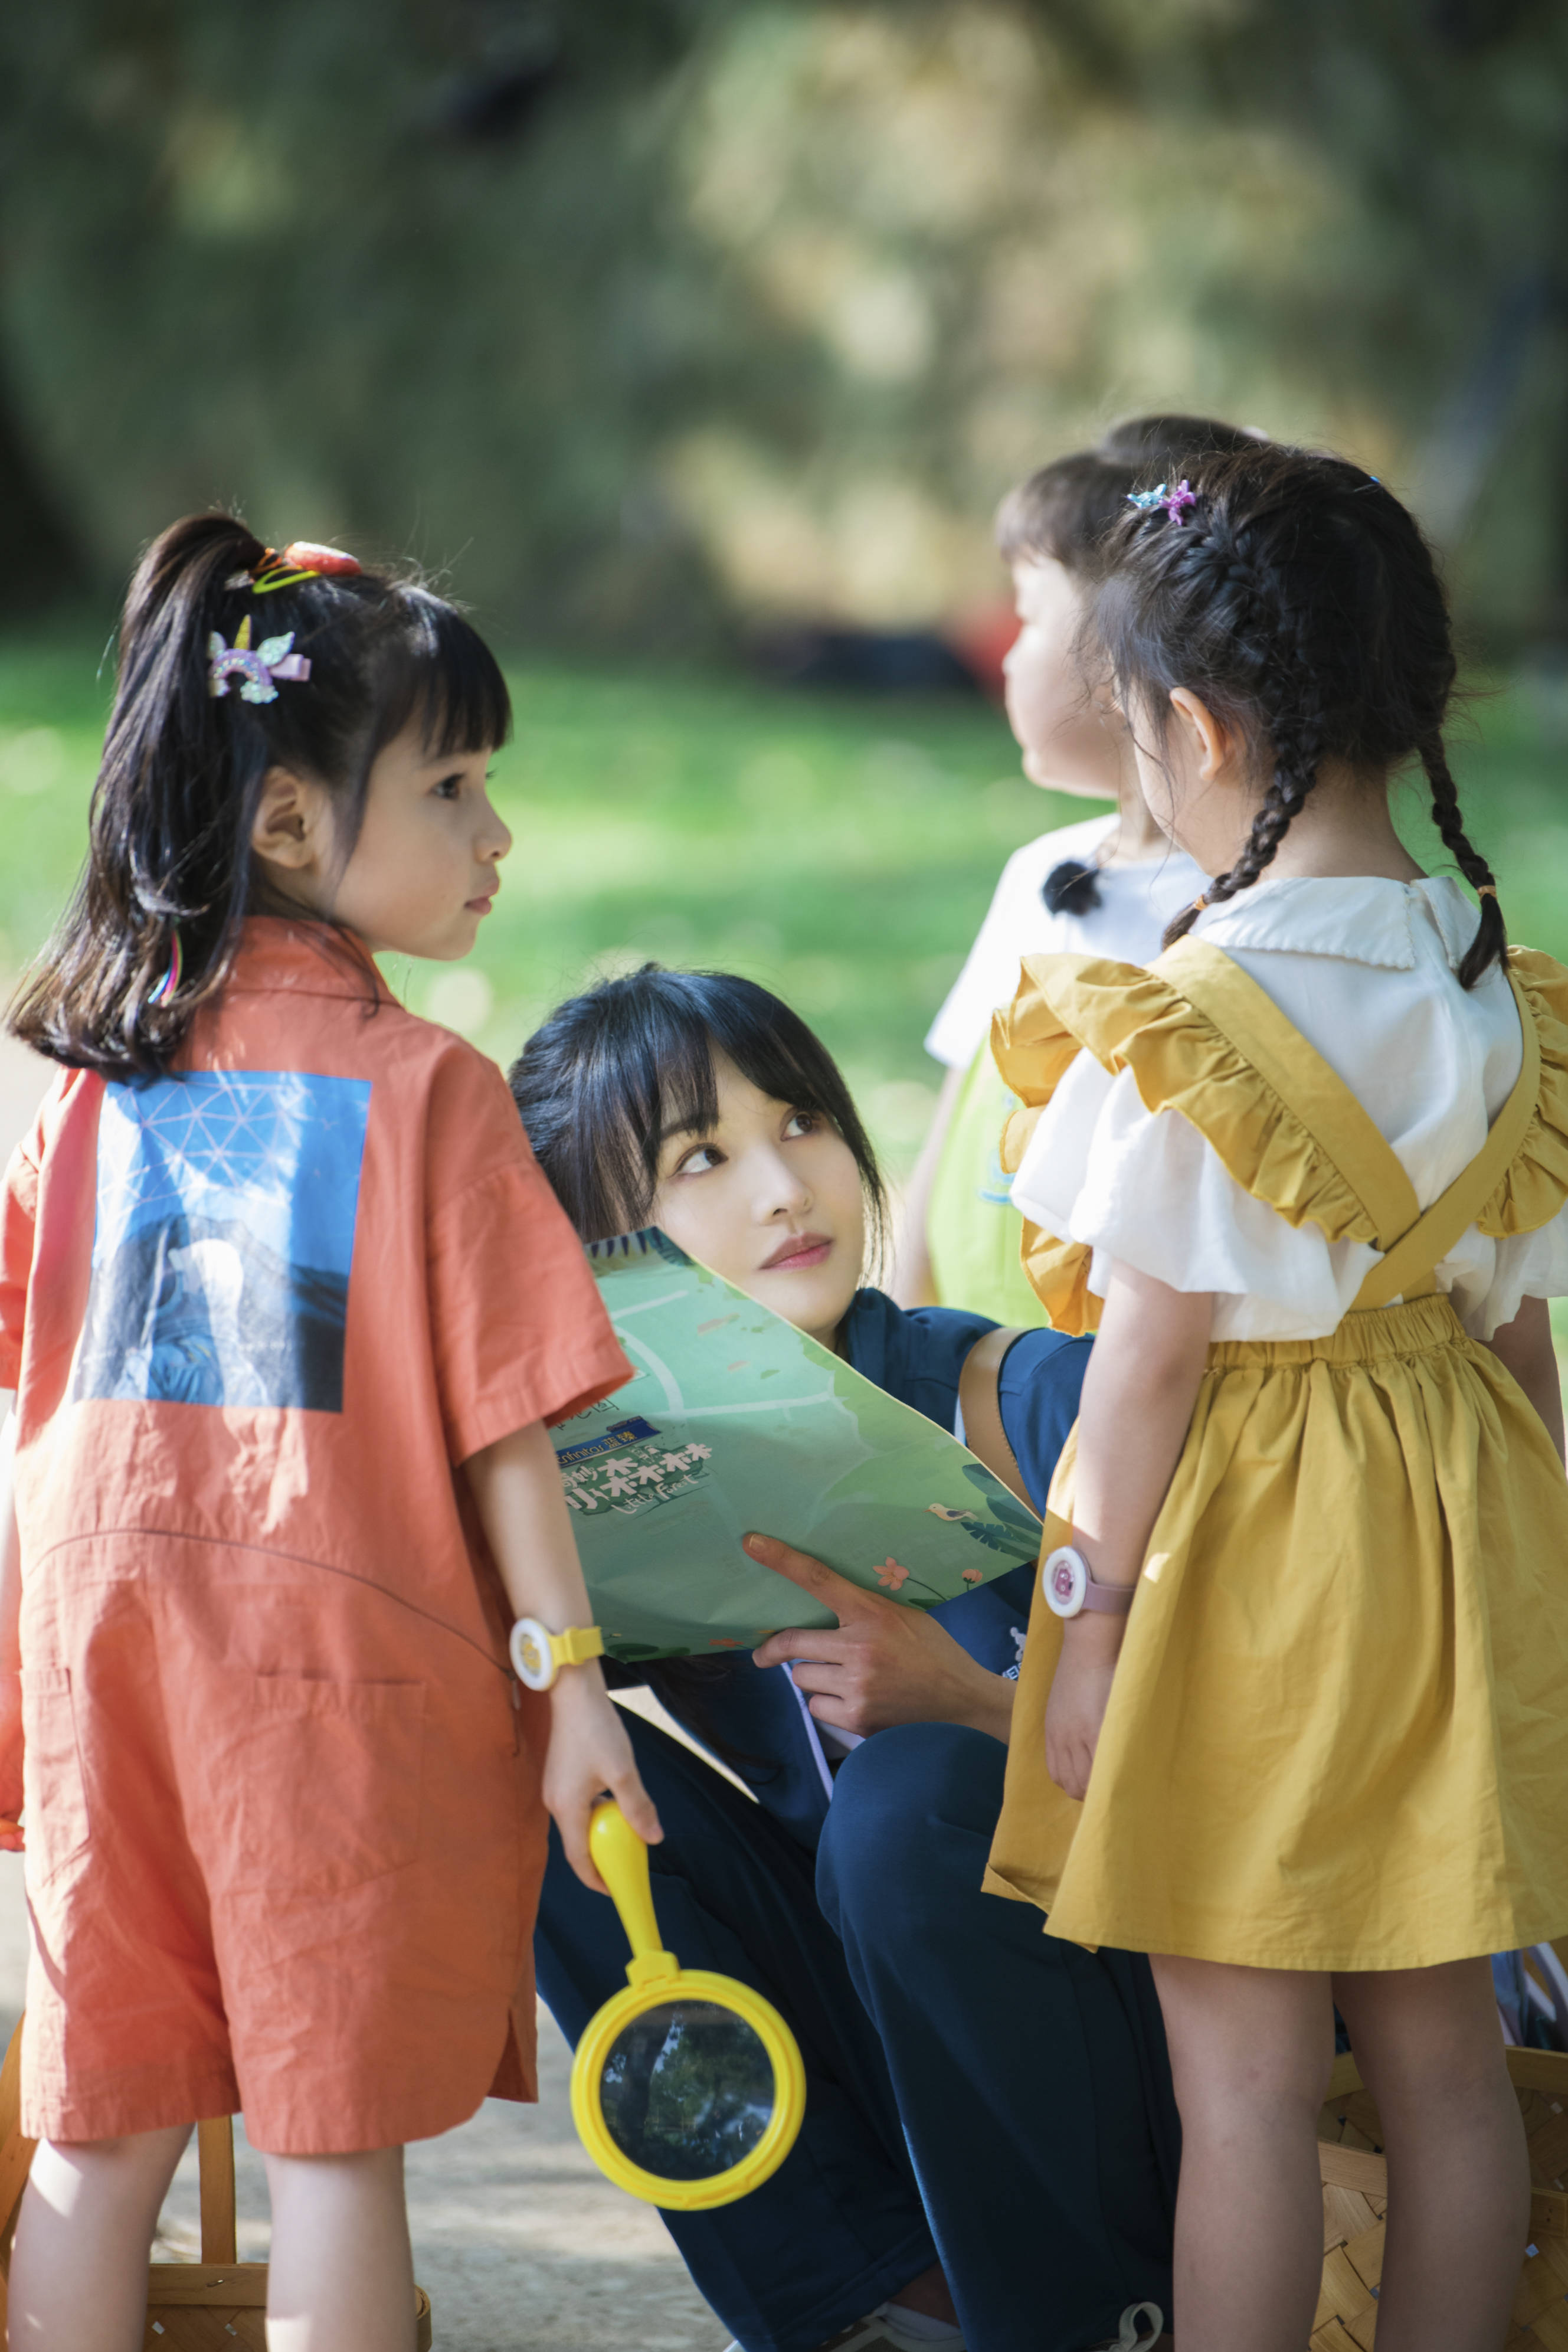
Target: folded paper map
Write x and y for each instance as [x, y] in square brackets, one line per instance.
[737, 1422]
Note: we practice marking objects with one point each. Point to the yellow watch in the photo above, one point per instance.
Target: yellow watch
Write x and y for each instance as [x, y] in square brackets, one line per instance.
[538, 1656]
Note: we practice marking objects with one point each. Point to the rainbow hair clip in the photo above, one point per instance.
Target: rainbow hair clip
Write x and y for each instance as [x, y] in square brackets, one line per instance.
[1174, 502]
[257, 667]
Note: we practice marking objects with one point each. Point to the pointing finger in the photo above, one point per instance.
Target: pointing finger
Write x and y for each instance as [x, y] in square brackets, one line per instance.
[846, 1601]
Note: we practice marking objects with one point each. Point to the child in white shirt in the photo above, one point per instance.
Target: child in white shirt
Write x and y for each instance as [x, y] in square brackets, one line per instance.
[1105, 885]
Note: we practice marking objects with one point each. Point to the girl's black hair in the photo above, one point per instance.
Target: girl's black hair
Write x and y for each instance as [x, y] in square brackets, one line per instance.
[612, 1073]
[1065, 510]
[181, 775]
[1299, 600]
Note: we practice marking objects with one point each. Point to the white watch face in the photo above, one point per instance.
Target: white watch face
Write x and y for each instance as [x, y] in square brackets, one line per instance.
[533, 1660]
[1066, 1581]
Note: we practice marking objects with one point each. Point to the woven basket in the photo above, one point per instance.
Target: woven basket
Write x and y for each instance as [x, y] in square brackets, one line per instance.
[1355, 2202]
[211, 2306]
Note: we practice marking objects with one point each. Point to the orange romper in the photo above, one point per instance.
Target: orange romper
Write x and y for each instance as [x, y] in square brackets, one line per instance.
[284, 1832]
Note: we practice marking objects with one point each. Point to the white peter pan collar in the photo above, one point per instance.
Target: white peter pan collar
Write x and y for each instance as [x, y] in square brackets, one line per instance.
[1364, 918]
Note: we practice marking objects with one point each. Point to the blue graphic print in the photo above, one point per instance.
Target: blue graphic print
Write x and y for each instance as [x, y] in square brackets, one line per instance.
[227, 1206]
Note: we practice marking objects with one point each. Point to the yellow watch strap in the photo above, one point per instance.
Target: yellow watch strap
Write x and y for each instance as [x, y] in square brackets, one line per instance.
[577, 1645]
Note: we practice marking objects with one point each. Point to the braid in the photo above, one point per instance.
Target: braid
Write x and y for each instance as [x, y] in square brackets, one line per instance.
[1297, 598]
[1491, 937]
[1262, 637]
[1294, 780]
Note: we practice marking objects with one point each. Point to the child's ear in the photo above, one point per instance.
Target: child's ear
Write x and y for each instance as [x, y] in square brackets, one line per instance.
[290, 817]
[1211, 743]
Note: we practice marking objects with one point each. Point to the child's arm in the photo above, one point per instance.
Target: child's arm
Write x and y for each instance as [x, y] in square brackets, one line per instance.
[1138, 1396]
[10, 1644]
[516, 1488]
[1524, 1348]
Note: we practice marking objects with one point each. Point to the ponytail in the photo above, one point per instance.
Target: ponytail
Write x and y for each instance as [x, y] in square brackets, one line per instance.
[152, 929]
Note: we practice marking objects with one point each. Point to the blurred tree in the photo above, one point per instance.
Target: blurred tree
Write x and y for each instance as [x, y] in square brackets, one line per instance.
[1446, 122]
[638, 311]
[402, 273]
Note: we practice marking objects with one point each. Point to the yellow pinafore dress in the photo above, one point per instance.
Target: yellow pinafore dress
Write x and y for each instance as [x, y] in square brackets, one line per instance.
[1337, 1738]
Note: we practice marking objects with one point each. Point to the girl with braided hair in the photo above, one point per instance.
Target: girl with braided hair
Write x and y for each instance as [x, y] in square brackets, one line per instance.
[1293, 1713]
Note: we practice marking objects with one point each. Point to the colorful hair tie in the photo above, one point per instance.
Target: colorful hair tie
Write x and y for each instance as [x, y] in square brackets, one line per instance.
[302, 559]
[171, 979]
[1486, 890]
[1174, 502]
[255, 669]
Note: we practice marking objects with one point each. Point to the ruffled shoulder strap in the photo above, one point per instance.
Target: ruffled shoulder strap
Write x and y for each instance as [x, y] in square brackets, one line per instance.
[1534, 1186]
[1202, 1038]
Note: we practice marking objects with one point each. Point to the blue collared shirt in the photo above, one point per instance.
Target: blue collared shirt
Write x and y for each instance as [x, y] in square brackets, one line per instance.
[753, 1716]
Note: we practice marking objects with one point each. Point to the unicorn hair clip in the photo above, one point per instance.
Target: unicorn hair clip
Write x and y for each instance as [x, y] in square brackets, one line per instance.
[1174, 502]
[257, 667]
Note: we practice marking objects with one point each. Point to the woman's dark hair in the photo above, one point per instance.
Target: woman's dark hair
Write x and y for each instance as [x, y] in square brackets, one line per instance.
[612, 1073]
[1066, 511]
[600, 1085]
[1297, 598]
[183, 769]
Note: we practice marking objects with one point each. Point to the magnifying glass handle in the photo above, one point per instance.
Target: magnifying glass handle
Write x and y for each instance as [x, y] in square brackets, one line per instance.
[621, 1859]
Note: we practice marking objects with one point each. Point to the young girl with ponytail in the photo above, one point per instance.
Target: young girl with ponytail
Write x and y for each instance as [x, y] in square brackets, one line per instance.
[1293, 1715]
[287, 1304]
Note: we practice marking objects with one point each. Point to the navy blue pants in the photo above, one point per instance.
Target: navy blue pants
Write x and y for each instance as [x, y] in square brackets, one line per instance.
[973, 2087]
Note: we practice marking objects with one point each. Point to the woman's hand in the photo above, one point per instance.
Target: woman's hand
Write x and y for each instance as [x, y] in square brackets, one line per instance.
[590, 1754]
[1080, 1693]
[885, 1663]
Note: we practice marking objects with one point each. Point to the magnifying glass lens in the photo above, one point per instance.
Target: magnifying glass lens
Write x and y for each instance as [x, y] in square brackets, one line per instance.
[687, 2089]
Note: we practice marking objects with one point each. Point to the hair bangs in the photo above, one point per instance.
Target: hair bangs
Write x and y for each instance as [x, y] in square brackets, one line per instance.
[612, 1073]
[442, 678]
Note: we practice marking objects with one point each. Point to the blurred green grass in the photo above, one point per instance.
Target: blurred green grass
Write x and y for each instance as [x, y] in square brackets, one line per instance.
[840, 850]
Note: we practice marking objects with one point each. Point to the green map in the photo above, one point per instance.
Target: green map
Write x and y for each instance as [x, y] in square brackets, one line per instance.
[736, 1422]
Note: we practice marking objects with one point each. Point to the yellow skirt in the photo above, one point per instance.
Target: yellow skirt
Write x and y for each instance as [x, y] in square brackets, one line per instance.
[1338, 1732]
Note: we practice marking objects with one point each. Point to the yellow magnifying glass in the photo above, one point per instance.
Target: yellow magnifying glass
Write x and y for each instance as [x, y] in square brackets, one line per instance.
[687, 2088]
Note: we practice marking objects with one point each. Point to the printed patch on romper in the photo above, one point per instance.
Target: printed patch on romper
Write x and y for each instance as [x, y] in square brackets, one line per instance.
[226, 1205]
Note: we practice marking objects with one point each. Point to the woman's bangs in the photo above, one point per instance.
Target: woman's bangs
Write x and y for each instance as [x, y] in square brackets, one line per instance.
[785, 1074]
[682, 1084]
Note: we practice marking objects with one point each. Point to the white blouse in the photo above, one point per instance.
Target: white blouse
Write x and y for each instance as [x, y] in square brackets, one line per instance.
[1365, 969]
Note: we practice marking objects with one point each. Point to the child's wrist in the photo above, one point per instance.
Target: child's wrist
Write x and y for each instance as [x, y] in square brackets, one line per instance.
[1091, 1637]
[1104, 1564]
[573, 1684]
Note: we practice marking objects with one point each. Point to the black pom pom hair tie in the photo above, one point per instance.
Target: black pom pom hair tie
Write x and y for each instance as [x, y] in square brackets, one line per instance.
[1071, 888]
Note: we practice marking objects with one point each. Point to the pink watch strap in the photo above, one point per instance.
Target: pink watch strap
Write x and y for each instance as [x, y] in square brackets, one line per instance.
[1071, 1587]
